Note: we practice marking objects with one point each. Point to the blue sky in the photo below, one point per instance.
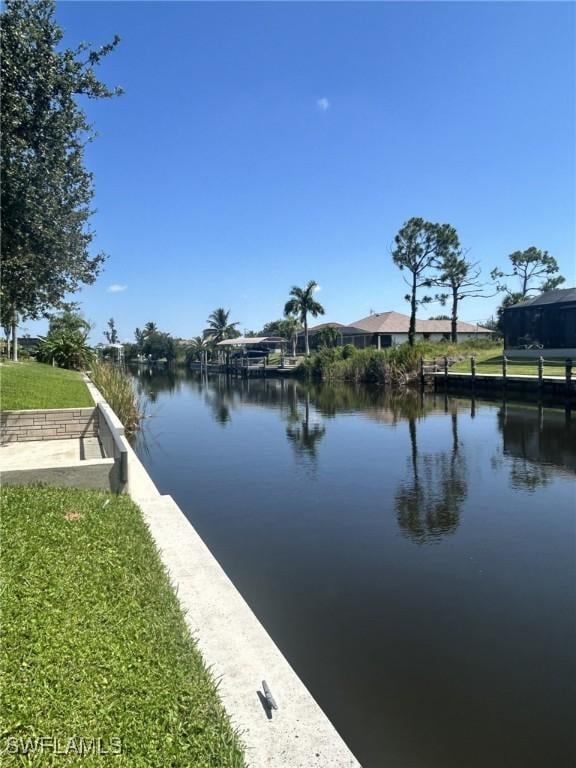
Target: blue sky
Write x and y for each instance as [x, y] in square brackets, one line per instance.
[260, 145]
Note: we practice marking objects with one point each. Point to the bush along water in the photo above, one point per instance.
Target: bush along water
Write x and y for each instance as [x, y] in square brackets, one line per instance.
[395, 365]
[116, 387]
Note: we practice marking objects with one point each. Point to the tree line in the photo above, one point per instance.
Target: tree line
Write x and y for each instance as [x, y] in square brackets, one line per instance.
[46, 195]
[433, 257]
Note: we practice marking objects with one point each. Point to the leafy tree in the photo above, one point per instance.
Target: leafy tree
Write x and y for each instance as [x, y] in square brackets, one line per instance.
[439, 317]
[69, 320]
[273, 328]
[510, 299]
[66, 343]
[536, 271]
[417, 246]
[45, 189]
[303, 304]
[111, 334]
[158, 345]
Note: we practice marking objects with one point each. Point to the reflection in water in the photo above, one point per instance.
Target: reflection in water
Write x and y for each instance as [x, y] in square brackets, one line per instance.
[537, 443]
[341, 572]
[428, 504]
[303, 435]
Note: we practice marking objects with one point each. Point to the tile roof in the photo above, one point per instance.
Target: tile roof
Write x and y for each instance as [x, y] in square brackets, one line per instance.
[395, 322]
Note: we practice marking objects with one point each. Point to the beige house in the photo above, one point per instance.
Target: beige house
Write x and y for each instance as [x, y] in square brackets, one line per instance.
[388, 329]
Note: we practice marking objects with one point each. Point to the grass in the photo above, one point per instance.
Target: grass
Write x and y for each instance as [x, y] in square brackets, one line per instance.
[116, 387]
[488, 362]
[30, 385]
[95, 644]
[395, 365]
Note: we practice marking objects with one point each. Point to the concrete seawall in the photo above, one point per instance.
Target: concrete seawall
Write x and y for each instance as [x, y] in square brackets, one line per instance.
[234, 643]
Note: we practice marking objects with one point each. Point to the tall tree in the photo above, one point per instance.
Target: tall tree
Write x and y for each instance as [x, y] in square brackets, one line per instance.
[111, 334]
[303, 304]
[416, 249]
[220, 327]
[45, 189]
[460, 277]
[535, 270]
[140, 337]
[149, 329]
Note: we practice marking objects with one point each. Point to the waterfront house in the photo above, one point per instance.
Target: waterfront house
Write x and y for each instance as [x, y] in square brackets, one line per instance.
[388, 329]
[544, 325]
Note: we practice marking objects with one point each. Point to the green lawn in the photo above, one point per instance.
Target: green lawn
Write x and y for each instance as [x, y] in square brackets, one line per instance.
[95, 644]
[29, 385]
[487, 362]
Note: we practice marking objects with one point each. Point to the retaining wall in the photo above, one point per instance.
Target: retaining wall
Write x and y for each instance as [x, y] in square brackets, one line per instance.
[53, 424]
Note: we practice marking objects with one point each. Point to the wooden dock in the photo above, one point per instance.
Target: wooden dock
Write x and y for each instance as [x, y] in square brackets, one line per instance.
[557, 388]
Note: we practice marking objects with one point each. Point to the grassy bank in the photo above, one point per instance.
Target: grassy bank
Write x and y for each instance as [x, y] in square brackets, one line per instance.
[489, 362]
[95, 644]
[394, 365]
[30, 385]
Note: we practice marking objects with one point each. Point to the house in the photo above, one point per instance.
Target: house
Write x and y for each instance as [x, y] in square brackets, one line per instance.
[388, 329]
[544, 323]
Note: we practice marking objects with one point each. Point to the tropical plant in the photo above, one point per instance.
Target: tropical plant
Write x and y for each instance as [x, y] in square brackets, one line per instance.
[327, 337]
[149, 329]
[66, 343]
[220, 327]
[66, 349]
[200, 349]
[46, 190]
[289, 328]
[303, 304]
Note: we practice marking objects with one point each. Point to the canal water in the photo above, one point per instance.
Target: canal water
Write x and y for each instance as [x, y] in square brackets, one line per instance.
[412, 556]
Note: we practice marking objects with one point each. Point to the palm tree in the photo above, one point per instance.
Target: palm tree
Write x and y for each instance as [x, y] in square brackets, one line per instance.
[219, 326]
[289, 328]
[150, 328]
[199, 349]
[302, 304]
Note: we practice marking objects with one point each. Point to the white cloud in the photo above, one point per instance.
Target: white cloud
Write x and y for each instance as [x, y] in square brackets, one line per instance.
[318, 288]
[116, 288]
[323, 104]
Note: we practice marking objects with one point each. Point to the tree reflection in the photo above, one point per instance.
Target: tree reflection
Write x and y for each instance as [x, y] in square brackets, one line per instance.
[301, 434]
[428, 505]
[219, 397]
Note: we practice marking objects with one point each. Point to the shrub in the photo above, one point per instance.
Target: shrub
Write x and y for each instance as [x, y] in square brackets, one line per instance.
[348, 350]
[116, 387]
[66, 348]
